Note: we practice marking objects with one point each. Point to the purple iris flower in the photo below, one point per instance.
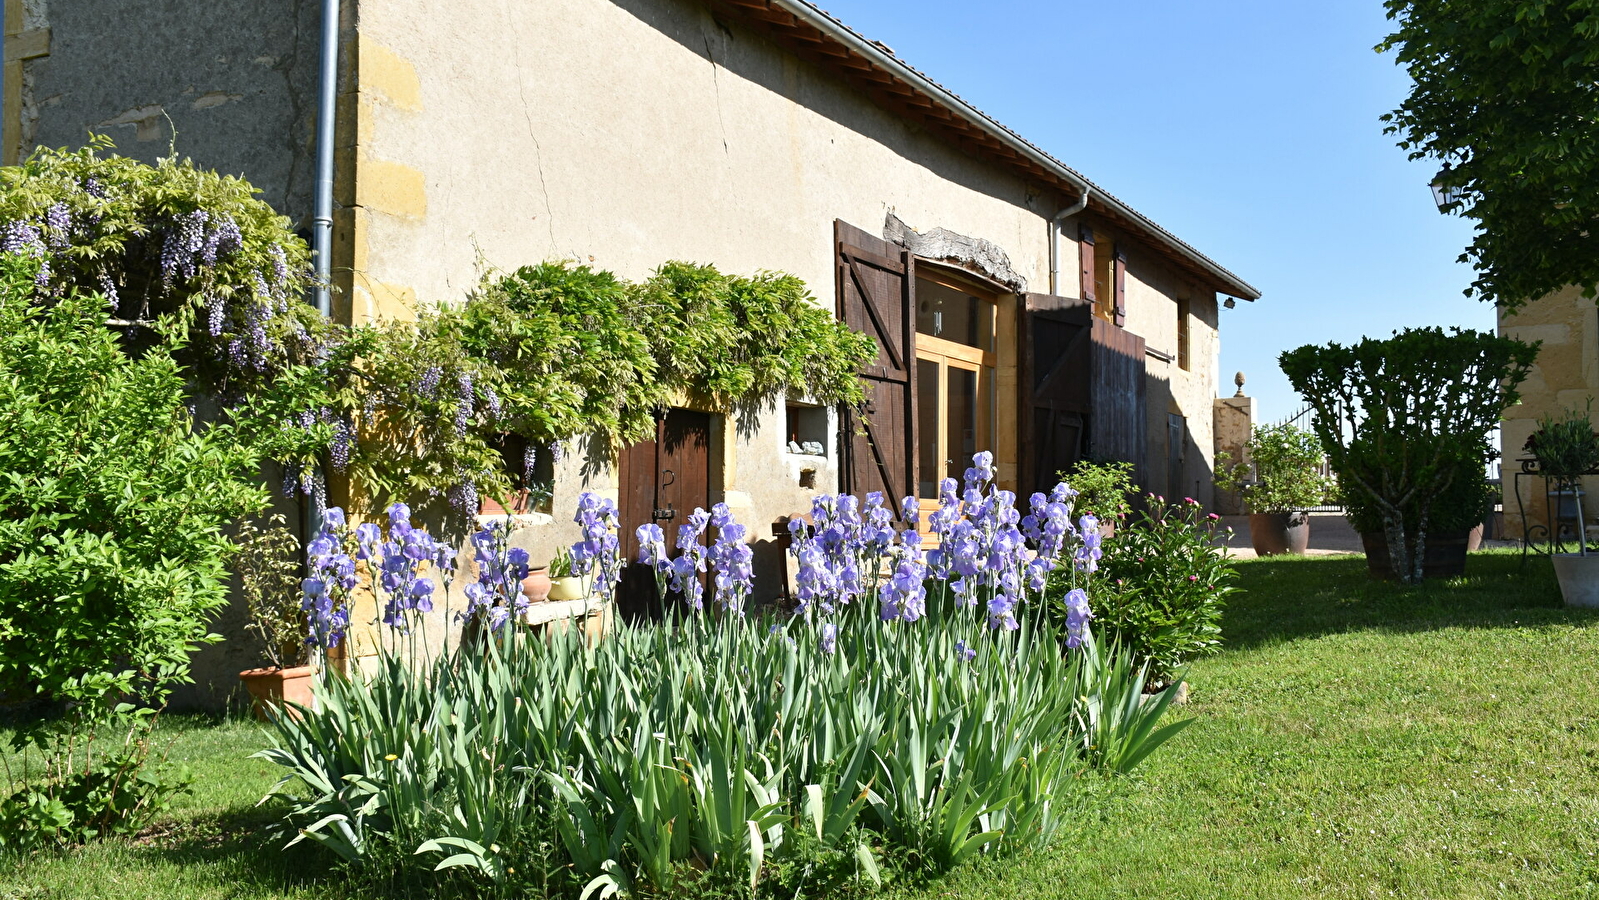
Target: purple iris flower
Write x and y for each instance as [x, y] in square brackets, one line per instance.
[1077, 616]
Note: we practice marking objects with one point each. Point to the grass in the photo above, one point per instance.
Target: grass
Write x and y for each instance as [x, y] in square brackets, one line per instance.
[1353, 740]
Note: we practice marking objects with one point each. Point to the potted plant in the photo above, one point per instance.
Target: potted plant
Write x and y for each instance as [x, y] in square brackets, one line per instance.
[269, 573]
[1566, 448]
[537, 584]
[1286, 481]
[1455, 521]
[565, 584]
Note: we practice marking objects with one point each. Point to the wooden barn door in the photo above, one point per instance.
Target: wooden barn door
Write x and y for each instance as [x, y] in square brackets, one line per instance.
[1055, 380]
[1119, 424]
[876, 296]
[662, 481]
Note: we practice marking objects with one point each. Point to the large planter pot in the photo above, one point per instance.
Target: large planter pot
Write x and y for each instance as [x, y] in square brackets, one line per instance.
[1443, 557]
[1566, 504]
[1579, 578]
[275, 687]
[570, 587]
[537, 584]
[1276, 533]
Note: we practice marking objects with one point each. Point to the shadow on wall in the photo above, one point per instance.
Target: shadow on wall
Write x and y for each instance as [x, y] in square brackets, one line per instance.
[735, 48]
[1177, 466]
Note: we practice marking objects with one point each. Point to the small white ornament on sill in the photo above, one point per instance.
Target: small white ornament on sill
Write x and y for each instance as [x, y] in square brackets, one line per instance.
[814, 448]
[794, 447]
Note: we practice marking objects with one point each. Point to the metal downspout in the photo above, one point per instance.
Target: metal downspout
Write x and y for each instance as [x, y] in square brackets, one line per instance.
[322, 221]
[327, 97]
[1055, 222]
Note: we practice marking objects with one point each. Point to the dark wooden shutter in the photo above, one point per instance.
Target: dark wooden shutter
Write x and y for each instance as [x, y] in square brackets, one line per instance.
[1119, 425]
[1121, 287]
[1176, 455]
[1056, 400]
[1085, 256]
[876, 296]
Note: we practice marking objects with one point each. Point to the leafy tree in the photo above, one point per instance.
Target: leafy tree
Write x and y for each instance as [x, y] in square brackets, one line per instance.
[1507, 92]
[1401, 419]
[112, 551]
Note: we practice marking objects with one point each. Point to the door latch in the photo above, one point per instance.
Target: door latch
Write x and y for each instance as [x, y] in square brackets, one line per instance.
[667, 513]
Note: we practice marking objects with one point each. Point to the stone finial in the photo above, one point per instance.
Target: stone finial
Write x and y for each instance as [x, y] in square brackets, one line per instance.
[1239, 380]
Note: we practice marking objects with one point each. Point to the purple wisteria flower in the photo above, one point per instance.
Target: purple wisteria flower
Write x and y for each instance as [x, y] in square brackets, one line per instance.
[20, 238]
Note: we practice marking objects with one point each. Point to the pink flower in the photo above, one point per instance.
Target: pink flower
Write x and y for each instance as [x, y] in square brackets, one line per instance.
[1193, 578]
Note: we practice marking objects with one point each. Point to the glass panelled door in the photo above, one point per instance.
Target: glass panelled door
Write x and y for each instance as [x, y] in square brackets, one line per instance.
[955, 360]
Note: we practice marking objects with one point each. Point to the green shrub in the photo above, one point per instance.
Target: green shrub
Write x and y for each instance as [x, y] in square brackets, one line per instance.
[728, 750]
[1160, 588]
[111, 795]
[112, 509]
[1102, 488]
[1401, 419]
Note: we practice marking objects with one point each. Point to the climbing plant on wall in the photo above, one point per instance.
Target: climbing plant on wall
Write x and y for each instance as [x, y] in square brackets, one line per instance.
[193, 264]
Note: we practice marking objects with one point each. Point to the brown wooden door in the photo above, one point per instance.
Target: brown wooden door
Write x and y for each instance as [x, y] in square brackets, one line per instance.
[662, 481]
[876, 296]
[1119, 425]
[1056, 364]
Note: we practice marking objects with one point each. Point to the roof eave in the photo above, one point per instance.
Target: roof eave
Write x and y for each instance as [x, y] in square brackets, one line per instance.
[1100, 200]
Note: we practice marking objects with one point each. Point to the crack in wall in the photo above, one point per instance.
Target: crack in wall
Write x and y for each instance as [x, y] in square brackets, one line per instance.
[532, 133]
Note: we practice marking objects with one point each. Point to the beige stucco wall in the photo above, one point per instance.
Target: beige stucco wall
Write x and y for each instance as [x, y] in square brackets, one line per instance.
[1565, 376]
[1152, 309]
[630, 133]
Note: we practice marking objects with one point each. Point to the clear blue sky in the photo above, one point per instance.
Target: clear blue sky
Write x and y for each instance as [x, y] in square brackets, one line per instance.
[1247, 127]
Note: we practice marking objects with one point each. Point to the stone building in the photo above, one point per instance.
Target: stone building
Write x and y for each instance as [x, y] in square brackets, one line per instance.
[1020, 308]
[1564, 377]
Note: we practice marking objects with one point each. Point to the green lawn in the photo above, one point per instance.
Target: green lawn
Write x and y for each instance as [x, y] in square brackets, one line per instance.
[1352, 740]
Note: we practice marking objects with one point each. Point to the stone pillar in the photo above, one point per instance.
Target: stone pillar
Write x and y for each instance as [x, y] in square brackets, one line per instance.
[1564, 377]
[1234, 419]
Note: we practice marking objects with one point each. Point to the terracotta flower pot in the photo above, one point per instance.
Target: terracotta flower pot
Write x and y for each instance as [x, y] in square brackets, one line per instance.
[275, 687]
[537, 584]
[1277, 533]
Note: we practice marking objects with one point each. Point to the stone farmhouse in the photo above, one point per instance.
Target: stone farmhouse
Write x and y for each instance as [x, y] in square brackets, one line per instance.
[1019, 307]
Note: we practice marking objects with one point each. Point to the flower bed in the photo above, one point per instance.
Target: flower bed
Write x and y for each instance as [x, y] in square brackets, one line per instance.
[943, 720]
